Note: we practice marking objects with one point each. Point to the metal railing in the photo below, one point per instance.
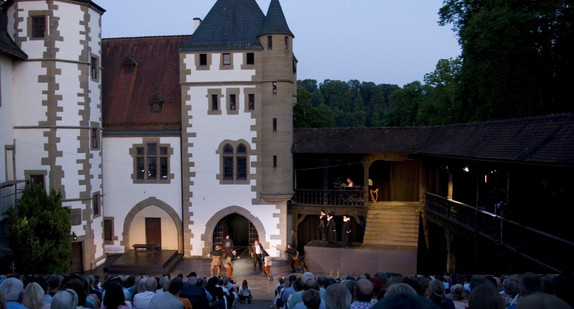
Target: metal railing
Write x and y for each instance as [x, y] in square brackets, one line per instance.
[344, 197]
[541, 247]
[10, 194]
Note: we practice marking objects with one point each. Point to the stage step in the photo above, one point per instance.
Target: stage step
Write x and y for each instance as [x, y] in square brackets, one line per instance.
[392, 223]
[144, 263]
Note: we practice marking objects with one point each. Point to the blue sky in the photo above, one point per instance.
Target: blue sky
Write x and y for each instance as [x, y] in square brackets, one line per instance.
[381, 41]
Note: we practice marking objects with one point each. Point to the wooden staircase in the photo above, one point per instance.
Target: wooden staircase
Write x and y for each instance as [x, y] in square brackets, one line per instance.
[392, 224]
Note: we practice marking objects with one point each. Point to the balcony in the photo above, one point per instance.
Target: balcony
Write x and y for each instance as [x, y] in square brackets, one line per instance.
[344, 197]
[545, 249]
[10, 194]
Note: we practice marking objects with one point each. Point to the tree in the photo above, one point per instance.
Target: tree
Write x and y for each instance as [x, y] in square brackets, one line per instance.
[306, 115]
[516, 56]
[39, 233]
[405, 104]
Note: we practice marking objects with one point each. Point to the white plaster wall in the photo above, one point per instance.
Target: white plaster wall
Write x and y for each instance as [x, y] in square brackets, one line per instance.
[29, 94]
[29, 151]
[69, 87]
[6, 112]
[121, 194]
[169, 237]
[69, 28]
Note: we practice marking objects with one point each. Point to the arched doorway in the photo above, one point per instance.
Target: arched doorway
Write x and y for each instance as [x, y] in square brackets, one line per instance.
[239, 229]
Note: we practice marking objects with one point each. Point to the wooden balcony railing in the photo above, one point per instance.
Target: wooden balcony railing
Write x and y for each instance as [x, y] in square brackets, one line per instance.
[10, 194]
[345, 197]
[543, 248]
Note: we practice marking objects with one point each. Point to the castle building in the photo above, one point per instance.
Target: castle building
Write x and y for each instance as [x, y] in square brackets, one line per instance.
[171, 140]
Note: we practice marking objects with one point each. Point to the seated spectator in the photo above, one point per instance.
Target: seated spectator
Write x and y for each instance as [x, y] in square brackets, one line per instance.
[64, 299]
[33, 297]
[337, 297]
[12, 288]
[541, 300]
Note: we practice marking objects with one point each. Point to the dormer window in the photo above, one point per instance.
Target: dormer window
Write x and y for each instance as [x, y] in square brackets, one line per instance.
[129, 65]
[156, 104]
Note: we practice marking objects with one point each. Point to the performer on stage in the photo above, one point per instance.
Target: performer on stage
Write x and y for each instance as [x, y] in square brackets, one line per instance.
[331, 229]
[215, 256]
[293, 256]
[323, 225]
[346, 231]
[227, 245]
[256, 252]
[229, 261]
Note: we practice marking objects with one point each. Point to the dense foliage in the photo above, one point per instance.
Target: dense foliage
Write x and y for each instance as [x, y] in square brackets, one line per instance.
[517, 61]
[40, 233]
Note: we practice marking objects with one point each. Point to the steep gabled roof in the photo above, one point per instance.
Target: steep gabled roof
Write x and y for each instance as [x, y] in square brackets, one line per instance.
[7, 46]
[536, 140]
[275, 22]
[126, 97]
[229, 25]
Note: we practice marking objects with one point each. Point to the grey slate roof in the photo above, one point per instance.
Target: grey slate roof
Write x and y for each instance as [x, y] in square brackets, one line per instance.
[535, 140]
[236, 24]
[275, 22]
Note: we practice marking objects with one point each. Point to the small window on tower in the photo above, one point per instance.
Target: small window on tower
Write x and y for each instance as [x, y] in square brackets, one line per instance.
[274, 87]
[250, 58]
[214, 102]
[38, 27]
[94, 67]
[251, 104]
[232, 104]
[269, 42]
[286, 42]
[274, 124]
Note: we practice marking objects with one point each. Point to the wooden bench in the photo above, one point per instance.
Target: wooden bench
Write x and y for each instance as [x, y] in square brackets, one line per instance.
[146, 247]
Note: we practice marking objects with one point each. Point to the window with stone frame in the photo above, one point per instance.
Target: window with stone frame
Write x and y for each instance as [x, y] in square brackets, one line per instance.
[151, 162]
[96, 204]
[94, 68]
[38, 26]
[234, 163]
[108, 230]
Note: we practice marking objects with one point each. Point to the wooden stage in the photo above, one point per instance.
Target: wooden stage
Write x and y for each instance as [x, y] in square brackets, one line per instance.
[161, 262]
[357, 259]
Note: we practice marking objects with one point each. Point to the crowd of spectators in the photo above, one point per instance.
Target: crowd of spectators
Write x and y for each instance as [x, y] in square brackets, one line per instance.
[377, 291]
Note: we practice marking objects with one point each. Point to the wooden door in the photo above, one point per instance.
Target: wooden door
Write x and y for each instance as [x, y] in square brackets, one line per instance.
[77, 258]
[153, 231]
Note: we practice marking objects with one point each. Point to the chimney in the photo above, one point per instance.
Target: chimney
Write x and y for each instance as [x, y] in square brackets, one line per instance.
[196, 23]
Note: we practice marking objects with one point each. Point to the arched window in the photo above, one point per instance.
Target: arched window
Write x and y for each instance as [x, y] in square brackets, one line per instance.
[234, 162]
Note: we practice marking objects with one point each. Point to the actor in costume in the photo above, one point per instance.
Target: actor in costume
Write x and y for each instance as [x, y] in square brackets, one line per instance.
[228, 263]
[323, 225]
[215, 256]
[227, 245]
[331, 229]
[293, 256]
[256, 252]
[346, 231]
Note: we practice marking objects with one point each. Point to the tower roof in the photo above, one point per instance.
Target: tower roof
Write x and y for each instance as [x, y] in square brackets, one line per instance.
[7, 45]
[275, 22]
[230, 24]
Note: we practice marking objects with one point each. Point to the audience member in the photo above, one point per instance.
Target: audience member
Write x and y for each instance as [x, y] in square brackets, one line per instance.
[539, 300]
[168, 299]
[400, 288]
[458, 295]
[142, 299]
[364, 295]
[33, 297]
[436, 293]
[405, 301]
[311, 299]
[485, 296]
[337, 297]
[66, 299]
[12, 288]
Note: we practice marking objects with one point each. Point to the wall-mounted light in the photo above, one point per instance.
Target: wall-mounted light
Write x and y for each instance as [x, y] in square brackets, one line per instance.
[466, 169]
[74, 236]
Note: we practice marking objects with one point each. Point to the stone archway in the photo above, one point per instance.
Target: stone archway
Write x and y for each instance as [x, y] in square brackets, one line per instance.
[152, 201]
[207, 236]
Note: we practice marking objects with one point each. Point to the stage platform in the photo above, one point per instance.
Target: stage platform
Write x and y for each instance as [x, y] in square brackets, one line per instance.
[143, 263]
[356, 260]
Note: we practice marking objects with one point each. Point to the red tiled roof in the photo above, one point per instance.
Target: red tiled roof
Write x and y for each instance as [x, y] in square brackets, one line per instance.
[126, 98]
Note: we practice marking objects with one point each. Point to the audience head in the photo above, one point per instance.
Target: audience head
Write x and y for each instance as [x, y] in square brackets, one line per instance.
[400, 288]
[541, 300]
[150, 284]
[66, 299]
[510, 286]
[33, 297]
[12, 289]
[405, 301]
[311, 299]
[530, 283]
[337, 296]
[457, 292]
[114, 295]
[364, 290]
[485, 296]
[175, 286]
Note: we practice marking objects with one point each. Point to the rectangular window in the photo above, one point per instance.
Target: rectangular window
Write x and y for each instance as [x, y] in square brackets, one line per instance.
[232, 104]
[38, 26]
[214, 102]
[251, 105]
[274, 124]
[228, 168]
[95, 132]
[286, 42]
[151, 162]
[269, 42]
[94, 67]
[38, 179]
[242, 168]
[203, 59]
[274, 87]
[250, 58]
[96, 204]
[226, 59]
[275, 161]
[108, 230]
